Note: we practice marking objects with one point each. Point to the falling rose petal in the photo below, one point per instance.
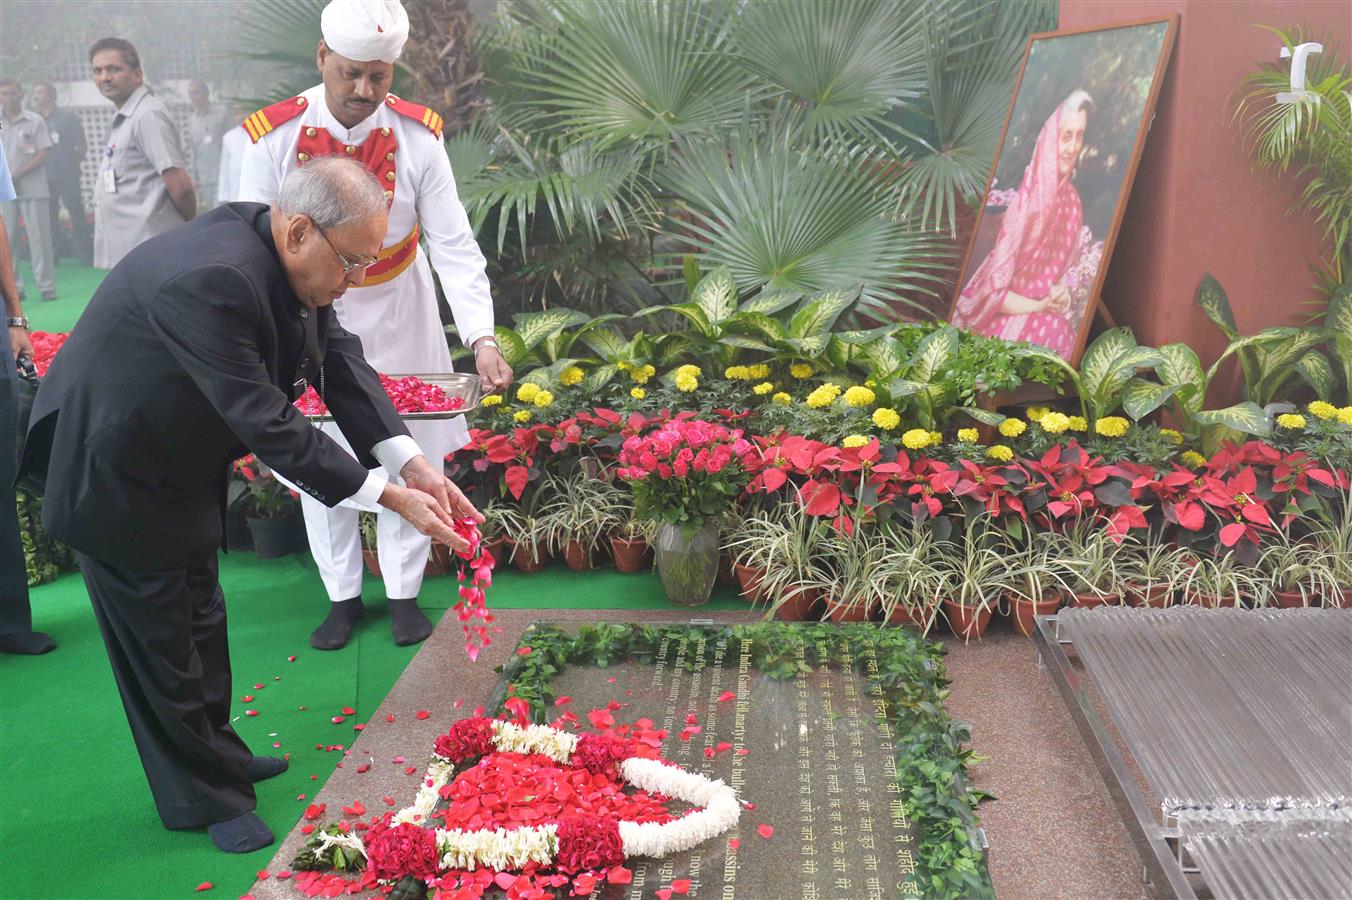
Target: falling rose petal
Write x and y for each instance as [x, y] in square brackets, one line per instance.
[680, 886]
[734, 844]
[390, 717]
[562, 700]
[349, 711]
[726, 696]
[422, 714]
[247, 698]
[620, 875]
[765, 831]
[250, 712]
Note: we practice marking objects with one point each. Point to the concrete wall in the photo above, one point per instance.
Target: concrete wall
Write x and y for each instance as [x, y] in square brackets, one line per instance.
[1197, 204]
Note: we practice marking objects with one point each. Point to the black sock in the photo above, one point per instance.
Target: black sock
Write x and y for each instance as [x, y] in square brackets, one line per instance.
[261, 768]
[336, 628]
[242, 834]
[27, 643]
[408, 623]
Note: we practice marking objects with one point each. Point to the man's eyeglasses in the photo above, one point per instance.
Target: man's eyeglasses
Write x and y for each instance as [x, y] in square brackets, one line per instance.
[348, 263]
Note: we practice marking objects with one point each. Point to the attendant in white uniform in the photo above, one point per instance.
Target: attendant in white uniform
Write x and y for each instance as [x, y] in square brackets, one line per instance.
[394, 311]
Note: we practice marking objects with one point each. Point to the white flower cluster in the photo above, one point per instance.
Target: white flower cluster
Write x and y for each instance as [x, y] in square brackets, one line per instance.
[500, 850]
[511, 738]
[720, 809]
[439, 772]
[350, 841]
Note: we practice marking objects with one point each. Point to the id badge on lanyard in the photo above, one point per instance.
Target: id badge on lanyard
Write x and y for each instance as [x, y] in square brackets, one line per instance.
[107, 178]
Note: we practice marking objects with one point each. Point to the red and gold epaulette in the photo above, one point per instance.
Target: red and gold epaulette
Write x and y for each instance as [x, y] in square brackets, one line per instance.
[407, 108]
[269, 117]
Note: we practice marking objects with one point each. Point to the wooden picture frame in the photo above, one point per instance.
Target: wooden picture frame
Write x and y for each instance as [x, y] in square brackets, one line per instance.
[1040, 246]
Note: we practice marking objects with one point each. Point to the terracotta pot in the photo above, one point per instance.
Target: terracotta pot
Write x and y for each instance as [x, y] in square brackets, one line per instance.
[1208, 601]
[848, 611]
[966, 622]
[915, 616]
[438, 561]
[630, 556]
[750, 579]
[1089, 601]
[578, 556]
[372, 560]
[1289, 599]
[726, 575]
[528, 559]
[1343, 602]
[800, 606]
[1155, 596]
[1022, 611]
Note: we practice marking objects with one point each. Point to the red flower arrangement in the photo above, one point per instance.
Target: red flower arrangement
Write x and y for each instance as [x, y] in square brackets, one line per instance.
[45, 345]
[686, 472]
[601, 755]
[394, 853]
[588, 842]
[466, 739]
[408, 394]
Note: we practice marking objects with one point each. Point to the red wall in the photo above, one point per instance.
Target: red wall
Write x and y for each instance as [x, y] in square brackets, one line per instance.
[1197, 205]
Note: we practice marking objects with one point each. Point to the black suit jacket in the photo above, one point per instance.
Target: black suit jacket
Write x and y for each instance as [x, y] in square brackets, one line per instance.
[186, 359]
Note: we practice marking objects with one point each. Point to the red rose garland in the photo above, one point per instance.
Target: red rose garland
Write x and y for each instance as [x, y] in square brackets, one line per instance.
[471, 609]
[393, 853]
[467, 739]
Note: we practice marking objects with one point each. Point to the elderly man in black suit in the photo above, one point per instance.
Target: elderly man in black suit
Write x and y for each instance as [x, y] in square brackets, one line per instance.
[190, 355]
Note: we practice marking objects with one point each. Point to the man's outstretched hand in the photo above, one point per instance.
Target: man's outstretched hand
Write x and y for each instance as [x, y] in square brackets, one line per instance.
[448, 503]
[425, 513]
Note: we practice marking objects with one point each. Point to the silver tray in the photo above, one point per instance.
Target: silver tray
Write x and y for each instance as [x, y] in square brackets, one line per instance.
[455, 384]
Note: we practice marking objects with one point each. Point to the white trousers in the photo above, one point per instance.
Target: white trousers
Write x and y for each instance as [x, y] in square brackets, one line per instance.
[37, 219]
[335, 544]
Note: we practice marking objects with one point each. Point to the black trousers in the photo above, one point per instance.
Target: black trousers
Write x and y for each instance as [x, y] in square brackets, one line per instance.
[66, 192]
[165, 634]
[15, 613]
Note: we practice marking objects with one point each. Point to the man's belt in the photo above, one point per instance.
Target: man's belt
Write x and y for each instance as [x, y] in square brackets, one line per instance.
[393, 260]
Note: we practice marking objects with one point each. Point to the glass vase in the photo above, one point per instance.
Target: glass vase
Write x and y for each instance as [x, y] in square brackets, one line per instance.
[687, 561]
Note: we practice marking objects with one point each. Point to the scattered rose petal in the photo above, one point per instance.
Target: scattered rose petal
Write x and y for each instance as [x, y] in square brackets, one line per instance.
[307, 828]
[601, 719]
[691, 719]
[620, 875]
[290, 659]
[611, 680]
[505, 880]
[205, 886]
[315, 810]
[349, 711]
[409, 770]
[284, 874]
[300, 797]
[523, 651]
[259, 686]
[247, 698]
[664, 894]
[397, 760]
[250, 712]
[389, 801]
[390, 717]
[741, 751]
[264, 875]
[734, 844]
[363, 768]
[276, 744]
[562, 700]
[748, 805]
[337, 720]
[422, 714]
[584, 884]
[314, 777]
[356, 809]
[765, 831]
[726, 696]
[680, 886]
[722, 747]
[358, 727]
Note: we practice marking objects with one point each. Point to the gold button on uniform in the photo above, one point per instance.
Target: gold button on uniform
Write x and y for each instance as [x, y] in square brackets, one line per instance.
[310, 132]
[349, 149]
[389, 157]
[389, 176]
[303, 157]
[389, 195]
[300, 101]
[384, 132]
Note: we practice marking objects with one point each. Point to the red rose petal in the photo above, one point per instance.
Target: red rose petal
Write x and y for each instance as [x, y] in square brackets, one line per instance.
[337, 720]
[300, 797]
[562, 700]
[726, 696]
[247, 698]
[315, 810]
[734, 843]
[314, 777]
[349, 711]
[422, 714]
[722, 747]
[611, 680]
[361, 727]
[283, 874]
[709, 752]
[742, 751]
[584, 883]
[259, 686]
[398, 760]
[390, 717]
[748, 805]
[691, 719]
[505, 880]
[264, 875]
[362, 768]
[765, 831]
[276, 744]
[620, 875]
[680, 886]
[409, 770]
[205, 886]
[389, 801]
[523, 651]
[250, 712]
[290, 659]
[356, 809]
[664, 894]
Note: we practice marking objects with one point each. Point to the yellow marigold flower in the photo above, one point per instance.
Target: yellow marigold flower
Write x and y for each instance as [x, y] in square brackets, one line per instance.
[1054, 422]
[886, 418]
[936, 438]
[491, 400]
[637, 393]
[1171, 436]
[622, 366]
[686, 382]
[782, 398]
[735, 373]
[642, 373]
[522, 415]
[1193, 460]
[570, 376]
[916, 439]
[860, 397]
[757, 372]
[1078, 423]
[999, 453]
[543, 399]
[1012, 428]
[763, 388]
[823, 395]
[1323, 410]
[1291, 421]
[1035, 413]
[870, 383]
[1345, 415]
[527, 391]
[968, 435]
[1111, 426]
[687, 369]
[800, 371]
[854, 440]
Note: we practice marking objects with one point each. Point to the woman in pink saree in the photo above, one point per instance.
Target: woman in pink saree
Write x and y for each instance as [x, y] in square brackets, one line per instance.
[1020, 291]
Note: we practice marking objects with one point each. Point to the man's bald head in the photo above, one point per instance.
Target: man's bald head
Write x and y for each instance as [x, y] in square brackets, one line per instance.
[330, 217]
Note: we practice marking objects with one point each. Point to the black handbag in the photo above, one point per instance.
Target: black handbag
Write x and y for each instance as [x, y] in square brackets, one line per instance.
[28, 391]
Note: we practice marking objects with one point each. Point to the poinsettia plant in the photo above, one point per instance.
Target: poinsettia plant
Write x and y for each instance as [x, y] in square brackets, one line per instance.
[687, 472]
[257, 493]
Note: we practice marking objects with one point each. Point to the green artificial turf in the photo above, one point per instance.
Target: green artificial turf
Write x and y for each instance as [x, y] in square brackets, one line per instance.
[76, 817]
[75, 284]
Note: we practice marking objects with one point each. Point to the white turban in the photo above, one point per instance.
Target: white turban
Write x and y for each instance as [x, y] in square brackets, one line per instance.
[365, 30]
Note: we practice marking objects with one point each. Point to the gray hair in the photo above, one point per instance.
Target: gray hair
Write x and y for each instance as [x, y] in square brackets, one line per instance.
[332, 192]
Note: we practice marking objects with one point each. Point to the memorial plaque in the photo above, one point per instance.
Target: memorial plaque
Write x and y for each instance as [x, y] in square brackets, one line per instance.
[802, 732]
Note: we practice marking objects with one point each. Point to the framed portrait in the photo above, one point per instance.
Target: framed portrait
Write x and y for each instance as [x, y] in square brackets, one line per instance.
[1063, 170]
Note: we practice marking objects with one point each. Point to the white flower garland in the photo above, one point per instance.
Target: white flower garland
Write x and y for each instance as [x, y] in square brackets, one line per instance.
[508, 849]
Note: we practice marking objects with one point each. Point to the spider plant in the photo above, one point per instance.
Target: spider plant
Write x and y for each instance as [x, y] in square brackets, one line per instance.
[1093, 561]
[578, 512]
[1149, 570]
[974, 570]
[848, 565]
[1295, 573]
[912, 584]
[793, 574]
[1220, 580]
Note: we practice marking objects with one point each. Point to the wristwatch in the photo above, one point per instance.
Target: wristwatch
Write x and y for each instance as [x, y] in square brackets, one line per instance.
[484, 342]
[16, 321]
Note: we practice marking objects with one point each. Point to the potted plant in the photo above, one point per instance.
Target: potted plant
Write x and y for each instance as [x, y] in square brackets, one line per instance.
[1149, 570]
[1295, 574]
[501, 521]
[1092, 560]
[237, 534]
[685, 476]
[973, 570]
[912, 584]
[852, 590]
[1035, 581]
[580, 511]
[1216, 581]
[792, 577]
[273, 515]
[631, 542]
[366, 525]
[530, 542]
[751, 544]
